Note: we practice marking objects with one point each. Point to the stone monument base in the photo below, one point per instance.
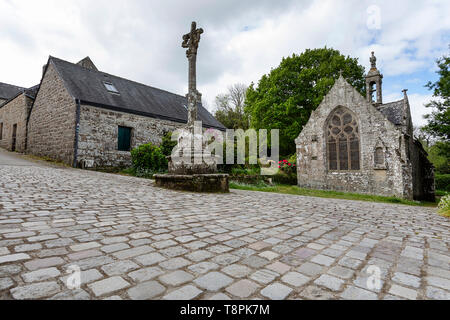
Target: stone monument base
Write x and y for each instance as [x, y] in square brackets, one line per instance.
[208, 183]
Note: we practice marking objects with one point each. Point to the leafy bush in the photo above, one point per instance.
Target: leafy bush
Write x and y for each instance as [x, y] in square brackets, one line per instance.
[246, 171]
[443, 182]
[444, 206]
[148, 157]
[293, 159]
[440, 193]
[285, 178]
[167, 144]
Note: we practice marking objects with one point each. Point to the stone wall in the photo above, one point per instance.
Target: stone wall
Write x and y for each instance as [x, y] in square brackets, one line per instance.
[422, 174]
[15, 112]
[2, 101]
[392, 178]
[51, 128]
[98, 135]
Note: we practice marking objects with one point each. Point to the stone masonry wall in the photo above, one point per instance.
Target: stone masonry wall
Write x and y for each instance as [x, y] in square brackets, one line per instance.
[51, 129]
[392, 178]
[15, 112]
[98, 135]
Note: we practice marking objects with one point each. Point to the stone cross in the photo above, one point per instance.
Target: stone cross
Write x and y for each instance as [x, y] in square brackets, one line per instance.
[190, 42]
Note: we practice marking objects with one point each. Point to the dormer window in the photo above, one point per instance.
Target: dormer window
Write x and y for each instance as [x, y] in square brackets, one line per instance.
[111, 88]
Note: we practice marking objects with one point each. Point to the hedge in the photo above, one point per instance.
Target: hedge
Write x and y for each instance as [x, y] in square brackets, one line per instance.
[286, 179]
[149, 157]
[443, 182]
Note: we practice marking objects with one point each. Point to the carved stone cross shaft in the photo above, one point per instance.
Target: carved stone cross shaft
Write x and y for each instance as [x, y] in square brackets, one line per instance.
[190, 42]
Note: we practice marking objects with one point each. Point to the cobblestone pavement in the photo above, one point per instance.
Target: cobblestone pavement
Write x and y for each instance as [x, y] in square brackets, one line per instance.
[132, 240]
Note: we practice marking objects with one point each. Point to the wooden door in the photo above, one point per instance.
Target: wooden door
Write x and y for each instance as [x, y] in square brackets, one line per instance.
[14, 134]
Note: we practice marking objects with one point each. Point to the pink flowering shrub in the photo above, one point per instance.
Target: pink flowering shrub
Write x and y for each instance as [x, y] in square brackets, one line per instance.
[287, 167]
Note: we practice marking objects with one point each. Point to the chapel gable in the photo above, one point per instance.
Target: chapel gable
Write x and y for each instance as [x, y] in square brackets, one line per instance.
[358, 144]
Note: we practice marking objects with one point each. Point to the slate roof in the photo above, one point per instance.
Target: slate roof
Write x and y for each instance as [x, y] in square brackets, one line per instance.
[393, 111]
[30, 92]
[8, 91]
[87, 85]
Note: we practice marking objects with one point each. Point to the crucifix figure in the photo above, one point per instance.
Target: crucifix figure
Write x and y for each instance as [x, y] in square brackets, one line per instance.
[190, 42]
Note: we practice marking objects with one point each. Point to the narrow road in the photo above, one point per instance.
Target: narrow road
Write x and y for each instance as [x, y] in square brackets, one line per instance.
[12, 159]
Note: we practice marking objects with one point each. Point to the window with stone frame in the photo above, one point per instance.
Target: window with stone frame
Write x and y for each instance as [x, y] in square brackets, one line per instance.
[343, 145]
[1, 130]
[379, 156]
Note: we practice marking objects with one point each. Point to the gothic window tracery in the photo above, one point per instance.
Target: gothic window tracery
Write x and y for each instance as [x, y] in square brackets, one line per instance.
[343, 141]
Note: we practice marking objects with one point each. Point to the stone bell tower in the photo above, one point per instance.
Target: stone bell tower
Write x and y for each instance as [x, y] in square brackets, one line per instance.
[374, 82]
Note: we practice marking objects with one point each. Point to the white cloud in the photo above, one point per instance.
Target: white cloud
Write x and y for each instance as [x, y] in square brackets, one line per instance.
[141, 40]
[418, 109]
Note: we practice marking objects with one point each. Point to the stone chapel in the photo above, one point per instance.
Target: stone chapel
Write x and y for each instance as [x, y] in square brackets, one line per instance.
[359, 144]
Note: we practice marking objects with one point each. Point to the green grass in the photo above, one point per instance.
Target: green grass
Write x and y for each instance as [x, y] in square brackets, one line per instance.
[294, 190]
[445, 214]
[139, 173]
[128, 172]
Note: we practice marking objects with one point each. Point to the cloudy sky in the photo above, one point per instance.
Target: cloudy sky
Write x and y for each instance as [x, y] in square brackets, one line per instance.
[141, 39]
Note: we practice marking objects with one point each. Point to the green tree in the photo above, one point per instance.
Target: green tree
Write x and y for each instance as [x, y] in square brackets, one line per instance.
[230, 108]
[439, 119]
[285, 98]
[167, 145]
[439, 155]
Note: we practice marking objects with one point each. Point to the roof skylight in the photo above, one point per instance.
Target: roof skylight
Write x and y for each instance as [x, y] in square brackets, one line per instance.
[111, 88]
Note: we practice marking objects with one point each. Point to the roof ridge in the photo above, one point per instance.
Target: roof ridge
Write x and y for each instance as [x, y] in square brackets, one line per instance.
[11, 85]
[392, 102]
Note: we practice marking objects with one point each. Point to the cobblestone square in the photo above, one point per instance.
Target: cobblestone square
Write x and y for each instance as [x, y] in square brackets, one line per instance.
[131, 240]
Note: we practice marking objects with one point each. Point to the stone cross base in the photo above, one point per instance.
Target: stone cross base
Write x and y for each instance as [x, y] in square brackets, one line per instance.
[191, 160]
[207, 183]
[192, 164]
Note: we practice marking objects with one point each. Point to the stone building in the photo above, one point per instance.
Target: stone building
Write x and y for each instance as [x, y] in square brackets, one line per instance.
[88, 118]
[358, 144]
[14, 113]
[7, 91]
